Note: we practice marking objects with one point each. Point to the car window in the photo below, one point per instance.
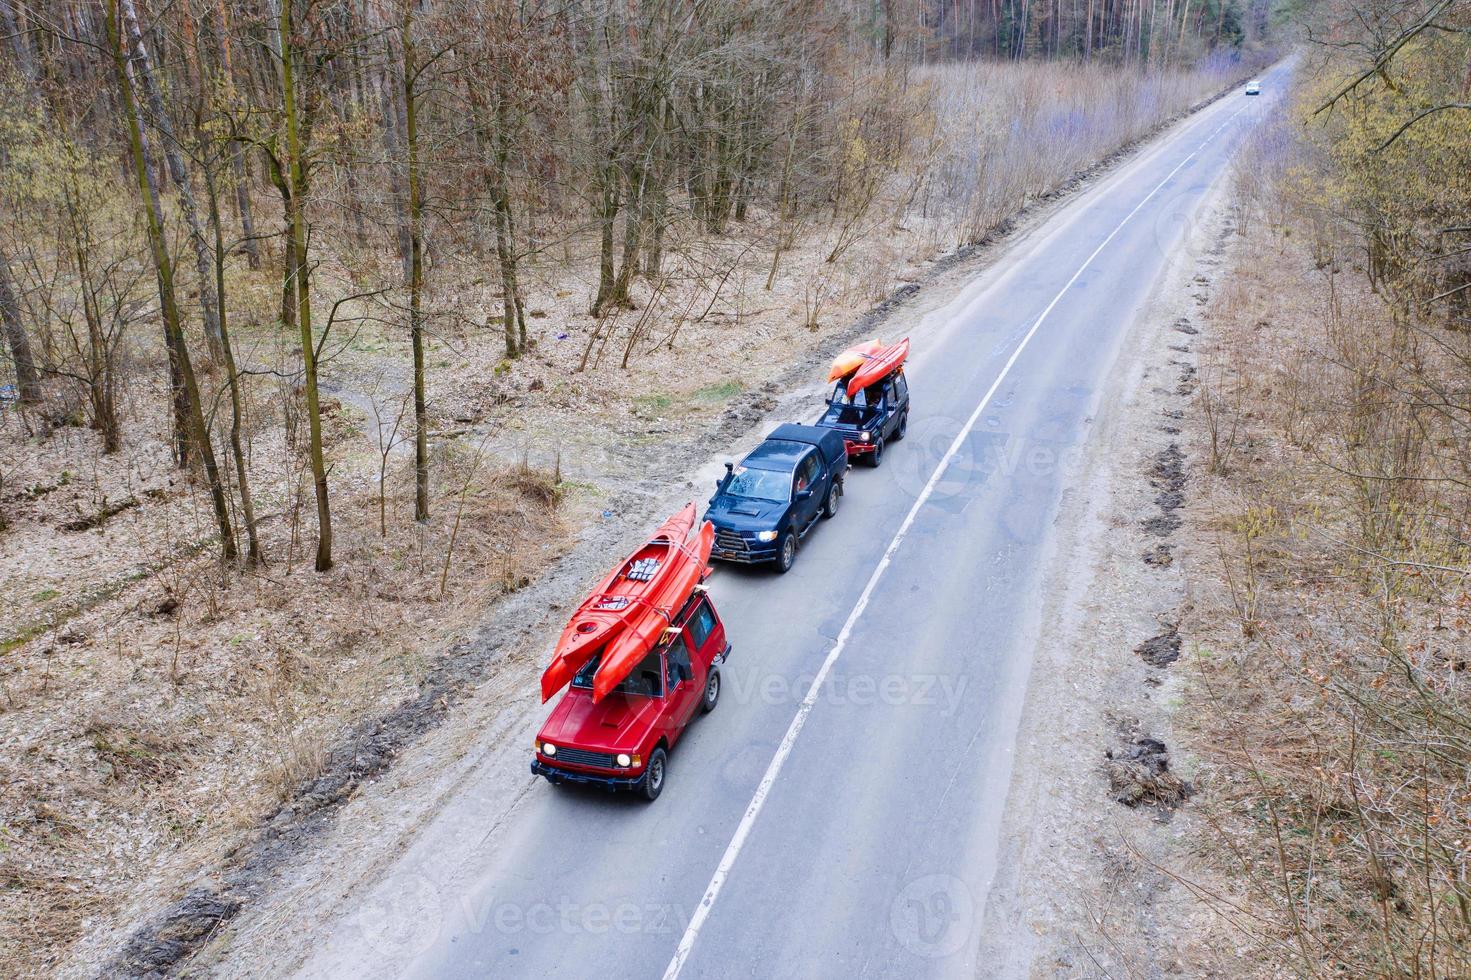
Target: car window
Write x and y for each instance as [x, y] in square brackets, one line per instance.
[841, 396]
[807, 471]
[759, 484]
[645, 680]
[678, 657]
[901, 387]
[702, 623]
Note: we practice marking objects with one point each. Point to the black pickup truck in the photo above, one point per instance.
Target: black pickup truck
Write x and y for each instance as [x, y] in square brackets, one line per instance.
[763, 507]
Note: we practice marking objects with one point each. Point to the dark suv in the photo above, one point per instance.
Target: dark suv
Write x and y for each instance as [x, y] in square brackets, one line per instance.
[766, 505]
[871, 418]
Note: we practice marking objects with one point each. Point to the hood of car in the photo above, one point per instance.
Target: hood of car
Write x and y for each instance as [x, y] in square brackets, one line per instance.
[745, 513]
[618, 723]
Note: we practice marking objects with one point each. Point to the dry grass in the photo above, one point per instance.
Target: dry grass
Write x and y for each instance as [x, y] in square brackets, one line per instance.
[150, 714]
[1330, 703]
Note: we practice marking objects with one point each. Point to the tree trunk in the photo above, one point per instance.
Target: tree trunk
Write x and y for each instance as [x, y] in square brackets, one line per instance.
[609, 201]
[632, 226]
[514, 317]
[296, 178]
[416, 265]
[26, 378]
[163, 265]
[395, 183]
[248, 244]
[179, 174]
[254, 555]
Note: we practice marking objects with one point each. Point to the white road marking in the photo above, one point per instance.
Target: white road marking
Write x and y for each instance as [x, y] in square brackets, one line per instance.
[758, 799]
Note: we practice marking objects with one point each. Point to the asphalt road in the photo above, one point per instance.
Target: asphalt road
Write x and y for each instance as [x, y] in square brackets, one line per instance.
[851, 829]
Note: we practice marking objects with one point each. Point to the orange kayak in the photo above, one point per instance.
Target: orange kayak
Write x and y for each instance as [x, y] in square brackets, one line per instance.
[629, 647]
[879, 366]
[622, 597]
[853, 358]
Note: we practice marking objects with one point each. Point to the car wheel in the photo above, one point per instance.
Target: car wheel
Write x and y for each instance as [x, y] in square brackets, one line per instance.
[903, 426]
[654, 774]
[876, 458]
[787, 553]
[712, 691]
[830, 509]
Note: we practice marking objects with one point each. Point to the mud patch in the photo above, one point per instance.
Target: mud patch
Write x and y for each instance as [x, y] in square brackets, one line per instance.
[1138, 771]
[1162, 526]
[1184, 326]
[1168, 469]
[1160, 556]
[194, 918]
[1167, 475]
[1161, 650]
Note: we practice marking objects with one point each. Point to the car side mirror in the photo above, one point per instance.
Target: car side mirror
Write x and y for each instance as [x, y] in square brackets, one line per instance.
[804, 494]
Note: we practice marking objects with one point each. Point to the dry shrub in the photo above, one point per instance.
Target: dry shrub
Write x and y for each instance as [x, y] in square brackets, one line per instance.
[537, 486]
[1331, 703]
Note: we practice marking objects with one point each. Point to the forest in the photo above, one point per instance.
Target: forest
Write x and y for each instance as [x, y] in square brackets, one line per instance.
[213, 132]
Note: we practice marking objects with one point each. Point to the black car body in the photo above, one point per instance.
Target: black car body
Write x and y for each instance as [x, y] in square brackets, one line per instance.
[875, 416]
[766, 505]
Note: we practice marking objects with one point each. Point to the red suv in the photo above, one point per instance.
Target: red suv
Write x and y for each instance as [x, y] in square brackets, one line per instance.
[623, 741]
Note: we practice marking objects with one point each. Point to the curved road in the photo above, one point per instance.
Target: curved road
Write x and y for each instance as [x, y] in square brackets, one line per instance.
[847, 828]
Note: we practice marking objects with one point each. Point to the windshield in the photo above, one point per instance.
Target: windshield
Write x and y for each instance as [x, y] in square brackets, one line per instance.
[645, 680]
[865, 399]
[759, 485]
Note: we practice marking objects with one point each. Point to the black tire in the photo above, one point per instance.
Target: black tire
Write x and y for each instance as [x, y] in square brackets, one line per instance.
[712, 691]
[655, 773]
[830, 509]
[786, 554]
[876, 458]
[903, 426]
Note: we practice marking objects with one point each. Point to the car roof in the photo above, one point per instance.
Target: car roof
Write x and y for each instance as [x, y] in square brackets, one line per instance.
[776, 454]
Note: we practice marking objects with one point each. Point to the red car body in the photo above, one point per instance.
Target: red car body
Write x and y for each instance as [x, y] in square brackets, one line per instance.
[622, 741]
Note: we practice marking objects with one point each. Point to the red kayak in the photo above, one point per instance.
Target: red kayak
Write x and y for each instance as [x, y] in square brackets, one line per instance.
[623, 597]
[879, 366]
[853, 358]
[629, 647]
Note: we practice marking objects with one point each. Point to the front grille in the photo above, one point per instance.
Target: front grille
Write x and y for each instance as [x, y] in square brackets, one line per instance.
[727, 540]
[582, 757]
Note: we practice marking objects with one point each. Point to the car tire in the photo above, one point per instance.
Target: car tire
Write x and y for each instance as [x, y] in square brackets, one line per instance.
[655, 773]
[712, 692]
[786, 553]
[903, 426]
[830, 509]
[876, 458]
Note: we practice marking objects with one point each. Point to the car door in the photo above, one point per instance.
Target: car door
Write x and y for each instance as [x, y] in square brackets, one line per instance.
[807, 479]
[899, 398]
[683, 686]
[707, 637]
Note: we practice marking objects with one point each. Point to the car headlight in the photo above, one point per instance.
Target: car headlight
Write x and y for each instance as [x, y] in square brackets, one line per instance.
[548, 749]
[766, 536]
[864, 436]
[624, 760]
